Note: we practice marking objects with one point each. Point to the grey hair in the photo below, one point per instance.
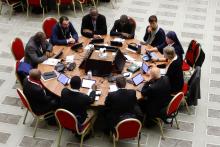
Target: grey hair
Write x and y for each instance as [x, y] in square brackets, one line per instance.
[169, 52]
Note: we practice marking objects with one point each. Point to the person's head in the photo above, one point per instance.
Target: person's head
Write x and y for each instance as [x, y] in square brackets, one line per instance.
[93, 13]
[64, 22]
[35, 74]
[171, 37]
[39, 38]
[75, 82]
[123, 20]
[154, 73]
[153, 22]
[169, 52]
[120, 82]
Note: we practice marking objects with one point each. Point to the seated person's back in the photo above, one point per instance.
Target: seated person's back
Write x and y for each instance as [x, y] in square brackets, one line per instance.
[174, 69]
[63, 32]
[156, 93]
[123, 28]
[93, 24]
[36, 48]
[36, 95]
[75, 101]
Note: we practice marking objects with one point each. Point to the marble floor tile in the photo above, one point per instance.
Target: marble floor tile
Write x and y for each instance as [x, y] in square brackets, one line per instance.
[171, 142]
[194, 26]
[195, 17]
[7, 69]
[216, 38]
[35, 142]
[9, 118]
[214, 97]
[213, 113]
[216, 58]
[165, 13]
[1, 81]
[215, 70]
[167, 6]
[214, 83]
[192, 35]
[212, 145]
[213, 130]
[216, 48]
[13, 101]
[4, 137]
[184, 126]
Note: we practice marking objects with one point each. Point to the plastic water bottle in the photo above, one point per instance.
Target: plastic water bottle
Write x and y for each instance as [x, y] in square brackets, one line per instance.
[139, 48]
[89, 74]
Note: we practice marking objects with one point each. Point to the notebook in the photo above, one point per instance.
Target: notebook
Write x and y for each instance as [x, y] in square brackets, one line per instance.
[86, 83]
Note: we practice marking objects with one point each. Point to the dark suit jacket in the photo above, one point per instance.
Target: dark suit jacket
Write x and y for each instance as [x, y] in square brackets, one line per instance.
[175, 75]
[159, 37]
[33, 54]
[156, 96]
[117, 29]
[177, 48]
[101, 27]
[60, 36]
[118, 103]
[76, 102]
[36, 95]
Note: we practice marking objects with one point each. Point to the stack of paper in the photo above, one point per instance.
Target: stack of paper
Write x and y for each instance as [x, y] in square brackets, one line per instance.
[113, 88]
[70, 59]
[51, 61]
[119, 40]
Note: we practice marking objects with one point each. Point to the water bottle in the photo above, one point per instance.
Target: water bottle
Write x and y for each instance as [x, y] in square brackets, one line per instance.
[139, 49]
[89, 74]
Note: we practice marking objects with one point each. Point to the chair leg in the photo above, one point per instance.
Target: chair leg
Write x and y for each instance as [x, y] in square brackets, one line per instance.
[74, 9]
[1, 7]
[161, 127]
[93, 1]
[82, 8]
[112, 4]
[139, 138]
[25, 116]
[27, 10]
[58, 9]
[177, 124]
[59, 137]
[114, 143]
[81, 141]
[187, 107]
[43, 13]
[35, 128]
[11, 11]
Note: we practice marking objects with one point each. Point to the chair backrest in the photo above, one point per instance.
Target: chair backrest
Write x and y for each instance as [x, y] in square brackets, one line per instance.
[24, 99]
[65, 2]
[35, 3]
[132, 22]
[67, 120]
[48, 25]
[17, 49]
[128, 128]
[192, 53]
[175, 103]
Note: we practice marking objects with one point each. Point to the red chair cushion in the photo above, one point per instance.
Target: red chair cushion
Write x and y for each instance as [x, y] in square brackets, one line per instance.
[174, 104]
[128, 129]
[192, 53]
[185, 66]
[23, 99]
[34, 3]
[65, 2]
[48, 25]
[17, 49]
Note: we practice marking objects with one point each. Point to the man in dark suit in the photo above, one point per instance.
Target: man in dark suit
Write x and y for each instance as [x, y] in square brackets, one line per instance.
[93, 24]
[63, 32]
[75, 101]
[154, 35]
[120, 104]
[33, 89]
[123, 28]
[156, 94]
[37, 49]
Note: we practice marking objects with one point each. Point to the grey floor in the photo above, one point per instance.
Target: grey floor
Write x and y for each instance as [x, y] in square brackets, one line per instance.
[191, 19]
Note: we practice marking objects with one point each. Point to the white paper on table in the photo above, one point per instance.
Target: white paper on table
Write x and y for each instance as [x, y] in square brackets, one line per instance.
[119, 40]
[113, 88]
[163, 71]
[131, 50]
[98, 93]
[51, 61]
[89, 46]
[70, 59]
[129, 58]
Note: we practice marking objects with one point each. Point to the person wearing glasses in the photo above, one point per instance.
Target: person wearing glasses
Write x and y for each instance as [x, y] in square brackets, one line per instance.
[93, 24]
[123, 28]
[63, 32]
[155, 36]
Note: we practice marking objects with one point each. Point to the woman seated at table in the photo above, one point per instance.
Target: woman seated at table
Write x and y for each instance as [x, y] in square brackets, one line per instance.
[171, 40]
[173, 68]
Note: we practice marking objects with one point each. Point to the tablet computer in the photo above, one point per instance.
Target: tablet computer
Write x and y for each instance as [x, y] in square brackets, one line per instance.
[138, 79]
[87, 83]
[63, 79]
[145, 67]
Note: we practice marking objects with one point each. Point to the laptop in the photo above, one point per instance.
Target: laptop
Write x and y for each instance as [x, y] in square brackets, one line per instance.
[138, 79]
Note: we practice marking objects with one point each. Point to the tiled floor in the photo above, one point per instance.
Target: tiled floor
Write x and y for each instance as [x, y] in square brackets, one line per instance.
[191, 19]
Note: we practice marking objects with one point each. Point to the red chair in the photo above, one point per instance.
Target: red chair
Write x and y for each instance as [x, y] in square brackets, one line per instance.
[34, 3]
[48, 25]
[171, 112]
[81, 2]
[38, 117]
[68, 120]
[127, 129]
[17, 49]
[192, 55]
[65, 2]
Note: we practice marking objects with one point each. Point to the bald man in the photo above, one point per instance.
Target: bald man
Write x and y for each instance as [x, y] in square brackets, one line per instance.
[123, 28]
[156, 93]
[33, 89]
[93, 24]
